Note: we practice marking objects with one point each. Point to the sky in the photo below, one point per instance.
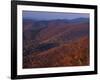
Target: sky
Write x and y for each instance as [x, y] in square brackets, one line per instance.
[41, 15]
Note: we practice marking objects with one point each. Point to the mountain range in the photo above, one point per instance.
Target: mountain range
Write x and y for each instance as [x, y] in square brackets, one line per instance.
[55, 43]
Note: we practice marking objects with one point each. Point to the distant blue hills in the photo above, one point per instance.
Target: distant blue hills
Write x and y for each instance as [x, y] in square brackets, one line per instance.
[76, 20]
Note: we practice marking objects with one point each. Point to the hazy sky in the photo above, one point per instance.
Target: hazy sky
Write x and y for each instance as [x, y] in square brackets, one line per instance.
[52, 15]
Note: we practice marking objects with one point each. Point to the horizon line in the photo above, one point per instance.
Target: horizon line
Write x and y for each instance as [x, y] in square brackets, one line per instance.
[54, 19]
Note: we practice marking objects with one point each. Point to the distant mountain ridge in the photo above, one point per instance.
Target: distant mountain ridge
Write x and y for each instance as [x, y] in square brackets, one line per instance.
[58, 20]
